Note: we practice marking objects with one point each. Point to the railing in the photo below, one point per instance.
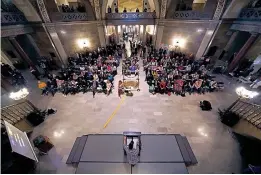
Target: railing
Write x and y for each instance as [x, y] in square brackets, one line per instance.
[248, 111]
[250, 14]
[12, 18]
[67, 17]
[191, 15]
[15, 113]
[131, 15]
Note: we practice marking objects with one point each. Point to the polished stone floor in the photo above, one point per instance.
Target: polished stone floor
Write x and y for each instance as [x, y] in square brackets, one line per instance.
[211, 141]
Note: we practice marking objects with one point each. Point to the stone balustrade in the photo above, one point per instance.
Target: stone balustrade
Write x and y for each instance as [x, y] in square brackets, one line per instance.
[12, 18]
[191, 15]
[69, 17]
[252, 14]
[131, 15]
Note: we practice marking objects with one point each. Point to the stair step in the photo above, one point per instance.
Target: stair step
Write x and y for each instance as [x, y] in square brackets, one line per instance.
[183, 149]
[190, 152]
[73, 151]
[78, 153]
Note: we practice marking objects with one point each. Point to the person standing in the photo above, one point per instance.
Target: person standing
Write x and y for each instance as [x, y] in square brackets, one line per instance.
[34, 72]
[120, 88]
[94, 87]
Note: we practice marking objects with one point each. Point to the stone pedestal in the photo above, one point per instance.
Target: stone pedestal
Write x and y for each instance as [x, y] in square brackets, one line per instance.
[242, 52]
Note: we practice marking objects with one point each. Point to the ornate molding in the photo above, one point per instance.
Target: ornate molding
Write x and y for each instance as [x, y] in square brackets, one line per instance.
[250, 14]
[97, 9]
[163, 8]
[51, 29]
[219, 9]
[69, 16]
[191, 15]
[134, 15]
[246, 28]
[15, 30]
[9, 18]
[43, 10]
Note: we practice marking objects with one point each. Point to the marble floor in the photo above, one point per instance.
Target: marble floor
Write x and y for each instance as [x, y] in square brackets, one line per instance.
[211, 141]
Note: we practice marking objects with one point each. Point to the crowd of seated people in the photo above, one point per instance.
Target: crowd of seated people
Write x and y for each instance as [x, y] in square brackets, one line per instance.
[177, 73]
[90, 71]
[68, 9]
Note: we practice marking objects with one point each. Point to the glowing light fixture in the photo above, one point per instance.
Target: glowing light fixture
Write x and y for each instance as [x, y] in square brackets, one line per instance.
[243, 92]
[63, 32]
[58, 133]
[202, 132]
[179, 42]
[119, 29]
[83, 43]
[200, 30]
[22, 93]
[210, 32]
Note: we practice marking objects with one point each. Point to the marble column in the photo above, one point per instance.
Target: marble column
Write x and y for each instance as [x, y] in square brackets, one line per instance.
[207, 39]
[22, 53]
[102, 35]
[231, 40]
[144, 34]
[117, 34]
[240, 55]
[28, 10]
[33, 44]
[159, 35]
[56, 43]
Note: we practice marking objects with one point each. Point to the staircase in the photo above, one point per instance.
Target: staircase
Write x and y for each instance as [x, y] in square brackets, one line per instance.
[186, 151]
[76, 152]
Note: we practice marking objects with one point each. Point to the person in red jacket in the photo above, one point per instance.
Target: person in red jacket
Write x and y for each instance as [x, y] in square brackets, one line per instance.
[163, 85]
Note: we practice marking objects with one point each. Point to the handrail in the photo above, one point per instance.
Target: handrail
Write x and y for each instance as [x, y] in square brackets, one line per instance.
[12, 17]
[191, 15]
[74, 16]
[248, 111]
[250, 14]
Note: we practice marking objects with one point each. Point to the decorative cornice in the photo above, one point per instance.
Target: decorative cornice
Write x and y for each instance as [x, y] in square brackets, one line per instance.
[7, 31]
[43, 10]
[246, 28]
[219, 9]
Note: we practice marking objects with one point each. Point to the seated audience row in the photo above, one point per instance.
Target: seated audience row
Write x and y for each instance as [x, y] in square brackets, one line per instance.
[177, 73]
[87, 72]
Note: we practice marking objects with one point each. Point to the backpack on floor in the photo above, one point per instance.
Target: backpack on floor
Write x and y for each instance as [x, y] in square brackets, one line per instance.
[205, 105]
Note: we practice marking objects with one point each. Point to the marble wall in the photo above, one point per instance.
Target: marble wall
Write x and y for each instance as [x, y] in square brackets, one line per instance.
[70, 34]
[191, 33]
